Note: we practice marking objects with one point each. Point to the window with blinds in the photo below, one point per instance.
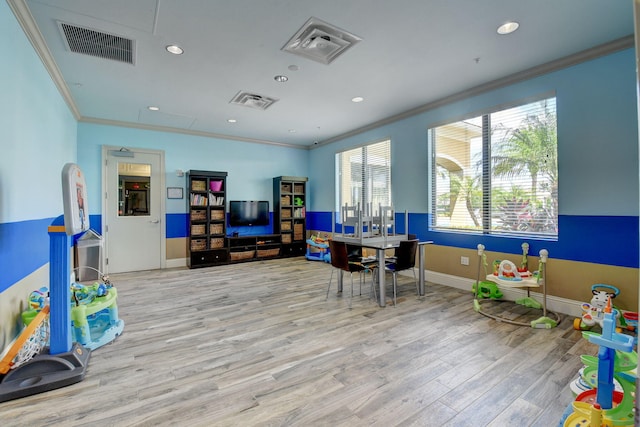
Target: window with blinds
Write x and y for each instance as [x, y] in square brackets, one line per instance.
[364, 176]
[498, 173]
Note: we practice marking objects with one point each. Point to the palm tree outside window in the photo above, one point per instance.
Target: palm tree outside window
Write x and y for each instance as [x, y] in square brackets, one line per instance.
[497, 173]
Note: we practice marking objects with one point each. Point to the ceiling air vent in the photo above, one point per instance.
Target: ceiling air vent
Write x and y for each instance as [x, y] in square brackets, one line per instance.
[320, 41]
[253, 100]
[96, 43]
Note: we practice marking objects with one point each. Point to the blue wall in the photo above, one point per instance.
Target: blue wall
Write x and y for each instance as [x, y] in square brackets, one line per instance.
[597, 163]
[250, 167]
[37, 137]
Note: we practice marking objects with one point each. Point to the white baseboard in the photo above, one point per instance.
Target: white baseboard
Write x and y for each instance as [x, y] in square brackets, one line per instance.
[176, 263]
[555, 304]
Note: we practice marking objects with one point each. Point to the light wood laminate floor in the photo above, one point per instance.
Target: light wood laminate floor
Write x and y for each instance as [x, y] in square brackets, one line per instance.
[256, 344]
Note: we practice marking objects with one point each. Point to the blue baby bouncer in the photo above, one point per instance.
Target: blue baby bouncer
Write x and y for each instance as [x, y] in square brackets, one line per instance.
[320, 251]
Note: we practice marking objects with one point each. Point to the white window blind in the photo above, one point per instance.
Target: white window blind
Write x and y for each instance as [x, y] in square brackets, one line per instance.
[498, 173]
[364, 176]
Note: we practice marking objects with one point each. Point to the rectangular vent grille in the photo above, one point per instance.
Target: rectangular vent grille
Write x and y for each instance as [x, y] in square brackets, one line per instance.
[252, 100]
[98, 44]
[320, 41]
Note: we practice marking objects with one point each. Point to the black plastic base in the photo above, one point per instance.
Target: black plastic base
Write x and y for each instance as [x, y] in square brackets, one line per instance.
[44, 373]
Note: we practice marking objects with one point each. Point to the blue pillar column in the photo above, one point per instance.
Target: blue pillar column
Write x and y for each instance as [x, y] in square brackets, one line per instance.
[59, 287]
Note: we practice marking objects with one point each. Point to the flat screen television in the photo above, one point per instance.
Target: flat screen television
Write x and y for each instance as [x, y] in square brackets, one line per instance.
[248, 212]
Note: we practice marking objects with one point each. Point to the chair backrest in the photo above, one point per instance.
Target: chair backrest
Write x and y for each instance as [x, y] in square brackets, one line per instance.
[406, 254]
[350, 214]
[354, 252]
[339, 256]
[386, 220]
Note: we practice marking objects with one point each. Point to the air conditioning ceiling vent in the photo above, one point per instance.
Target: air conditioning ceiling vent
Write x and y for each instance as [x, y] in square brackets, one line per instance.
[253, 100]
[96, 43]
[320, 41]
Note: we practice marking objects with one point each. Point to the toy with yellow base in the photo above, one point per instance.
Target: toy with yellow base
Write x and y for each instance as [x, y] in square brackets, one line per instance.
[602, 412]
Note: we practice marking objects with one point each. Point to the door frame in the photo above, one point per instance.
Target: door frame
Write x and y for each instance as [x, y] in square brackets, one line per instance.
[162, 214]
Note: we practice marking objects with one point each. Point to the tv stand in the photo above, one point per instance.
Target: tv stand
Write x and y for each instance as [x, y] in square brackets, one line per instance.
[253, 248]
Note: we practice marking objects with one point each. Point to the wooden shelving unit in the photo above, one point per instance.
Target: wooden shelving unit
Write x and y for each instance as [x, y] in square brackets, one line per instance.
[206, 242]
[289, 213]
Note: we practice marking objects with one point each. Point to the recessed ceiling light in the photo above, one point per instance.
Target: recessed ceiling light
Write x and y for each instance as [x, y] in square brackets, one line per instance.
[231, 120]
[508, 27]
[175, 49]
[357, 99]
[153, 108]
[281, 78]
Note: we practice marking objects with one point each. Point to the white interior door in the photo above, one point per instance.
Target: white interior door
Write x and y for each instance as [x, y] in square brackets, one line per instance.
[133, 210]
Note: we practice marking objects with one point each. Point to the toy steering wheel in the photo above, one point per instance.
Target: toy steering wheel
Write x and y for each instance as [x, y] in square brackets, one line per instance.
[615, 291]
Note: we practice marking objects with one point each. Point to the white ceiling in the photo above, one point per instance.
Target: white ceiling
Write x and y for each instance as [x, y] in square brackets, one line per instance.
[413, 53]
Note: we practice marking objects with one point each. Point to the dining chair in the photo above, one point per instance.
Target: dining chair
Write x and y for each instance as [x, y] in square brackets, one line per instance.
[392, 257]
[405, 259]
[340, 261]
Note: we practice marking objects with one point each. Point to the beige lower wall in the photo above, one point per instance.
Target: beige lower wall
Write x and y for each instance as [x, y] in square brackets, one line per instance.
[565, 279]
[176, 248]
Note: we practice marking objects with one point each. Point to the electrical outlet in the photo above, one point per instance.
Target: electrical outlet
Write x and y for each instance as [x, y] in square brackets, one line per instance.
[464, 260]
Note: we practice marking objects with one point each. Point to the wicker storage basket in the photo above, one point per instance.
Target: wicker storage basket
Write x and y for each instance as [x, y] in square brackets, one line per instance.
[237, 256]
[285, 213]
[198, 215]
[285, 188]
[285, 200]
[285, 226]
[263, 253]
[286, 238]
[298, 188]
[217, 242]
[217, 215]
[298, 230]
[198, 244]
[197, 229]
[198, 185]
[216, 229]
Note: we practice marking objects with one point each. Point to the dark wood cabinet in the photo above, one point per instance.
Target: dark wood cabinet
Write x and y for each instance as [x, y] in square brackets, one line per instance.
[206, 241]
[251, 248]
[290, 212]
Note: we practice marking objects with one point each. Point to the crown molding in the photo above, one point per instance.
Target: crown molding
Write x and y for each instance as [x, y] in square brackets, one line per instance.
[28, 24]
[169, 129]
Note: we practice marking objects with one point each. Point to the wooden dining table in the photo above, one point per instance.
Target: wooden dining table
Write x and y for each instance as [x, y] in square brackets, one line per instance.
[381, 245]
